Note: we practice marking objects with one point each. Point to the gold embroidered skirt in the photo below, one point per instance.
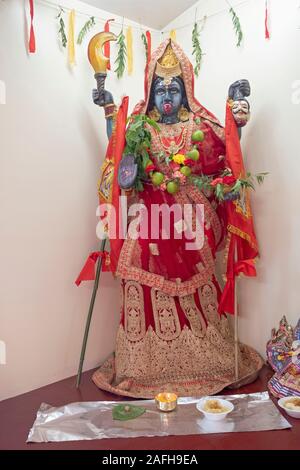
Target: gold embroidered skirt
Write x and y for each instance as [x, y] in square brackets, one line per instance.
[177, 344]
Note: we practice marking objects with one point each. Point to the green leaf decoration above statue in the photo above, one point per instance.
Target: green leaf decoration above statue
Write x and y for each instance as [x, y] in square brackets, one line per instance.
[121, 57]
[85, 29]
[237, 27]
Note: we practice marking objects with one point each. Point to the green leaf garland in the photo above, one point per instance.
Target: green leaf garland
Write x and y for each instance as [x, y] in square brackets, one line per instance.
[85, 29]
[62, 28]
[121, 57]
[237, 27]
[138, 142]
[144, 39]
[197, 50]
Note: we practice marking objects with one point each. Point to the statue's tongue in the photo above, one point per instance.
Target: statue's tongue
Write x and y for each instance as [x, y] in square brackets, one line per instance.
[168, 108]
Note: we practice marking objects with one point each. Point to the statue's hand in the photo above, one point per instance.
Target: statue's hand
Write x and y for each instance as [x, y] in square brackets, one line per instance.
[103, 98]
[239, 90]
[127, 172]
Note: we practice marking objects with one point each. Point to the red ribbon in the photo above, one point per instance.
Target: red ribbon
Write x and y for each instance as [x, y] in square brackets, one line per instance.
[88, 271]
[148, 36]
[267, 33]
[107, 44]
[31, 35]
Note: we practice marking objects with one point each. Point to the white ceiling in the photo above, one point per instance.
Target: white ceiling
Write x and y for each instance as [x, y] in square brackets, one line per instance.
[153, 13]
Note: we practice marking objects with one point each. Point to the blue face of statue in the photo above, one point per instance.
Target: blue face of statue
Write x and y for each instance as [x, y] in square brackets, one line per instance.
[168, 99]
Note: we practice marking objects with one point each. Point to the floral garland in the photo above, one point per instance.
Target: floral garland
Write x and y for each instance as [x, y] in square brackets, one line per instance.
[138, 143]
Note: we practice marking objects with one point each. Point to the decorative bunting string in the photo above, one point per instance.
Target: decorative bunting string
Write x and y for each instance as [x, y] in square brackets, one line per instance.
[31, 44]
[71, 38]
[267, 33]
[146, 37]
[107, 44]
[129, 50]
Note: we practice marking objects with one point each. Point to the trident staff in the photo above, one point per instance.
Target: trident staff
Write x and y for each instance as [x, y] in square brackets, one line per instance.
[99, 63]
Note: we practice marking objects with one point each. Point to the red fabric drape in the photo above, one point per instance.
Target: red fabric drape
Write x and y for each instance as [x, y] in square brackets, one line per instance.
[242, 249]
[31, 44]
[107, 44]
[116, 244]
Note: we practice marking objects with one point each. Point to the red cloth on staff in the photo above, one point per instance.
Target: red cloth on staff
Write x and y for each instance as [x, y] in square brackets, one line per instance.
[242, 243]
[116, 244]
[88, 271]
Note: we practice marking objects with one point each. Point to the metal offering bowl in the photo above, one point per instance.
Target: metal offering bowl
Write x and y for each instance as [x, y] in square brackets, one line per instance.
[166, 401]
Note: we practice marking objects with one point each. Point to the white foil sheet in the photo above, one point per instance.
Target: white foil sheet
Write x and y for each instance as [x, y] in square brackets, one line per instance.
[93, 420]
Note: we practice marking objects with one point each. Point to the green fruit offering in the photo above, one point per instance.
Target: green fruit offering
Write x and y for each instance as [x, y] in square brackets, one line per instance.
[198, 136]
[193, 154]
[157, 178]
[185, 170]
[172, 187]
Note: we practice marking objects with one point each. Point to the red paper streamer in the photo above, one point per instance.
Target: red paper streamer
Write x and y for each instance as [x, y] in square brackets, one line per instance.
[267, 33]
[148, 36]
[107, 44]
[31, 35]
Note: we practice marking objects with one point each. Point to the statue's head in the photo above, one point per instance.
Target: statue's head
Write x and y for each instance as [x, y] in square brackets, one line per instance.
[168, 101]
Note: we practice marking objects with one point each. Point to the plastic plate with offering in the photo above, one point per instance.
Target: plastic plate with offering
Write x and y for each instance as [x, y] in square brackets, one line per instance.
[291, 405]
[214, 408]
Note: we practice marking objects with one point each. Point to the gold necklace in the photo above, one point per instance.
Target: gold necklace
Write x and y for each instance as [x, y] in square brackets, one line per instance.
[173, 131]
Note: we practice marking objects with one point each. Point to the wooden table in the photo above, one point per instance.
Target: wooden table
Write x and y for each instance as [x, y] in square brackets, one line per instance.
[18, 414]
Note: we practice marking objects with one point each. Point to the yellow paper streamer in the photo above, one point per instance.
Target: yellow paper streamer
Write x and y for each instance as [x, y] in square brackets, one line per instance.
[71, 38]
[173, 34]
[129, 50]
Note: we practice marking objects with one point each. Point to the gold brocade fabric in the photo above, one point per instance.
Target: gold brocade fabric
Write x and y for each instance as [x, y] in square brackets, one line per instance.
[188, 366]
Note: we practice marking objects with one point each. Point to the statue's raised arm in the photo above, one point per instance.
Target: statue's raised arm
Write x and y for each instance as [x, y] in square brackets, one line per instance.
[99, 62]
[104, 99]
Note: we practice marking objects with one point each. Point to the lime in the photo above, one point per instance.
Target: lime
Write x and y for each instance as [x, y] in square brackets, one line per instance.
[185, 170]
[193, 154]
[172, 187]
[198, 136]
[157, 178]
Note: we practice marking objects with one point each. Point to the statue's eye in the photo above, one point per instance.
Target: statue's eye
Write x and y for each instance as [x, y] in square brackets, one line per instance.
[160, 91]
[174, 91]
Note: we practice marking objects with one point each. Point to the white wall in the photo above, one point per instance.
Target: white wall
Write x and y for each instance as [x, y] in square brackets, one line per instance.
[52, 142]
[270, 143]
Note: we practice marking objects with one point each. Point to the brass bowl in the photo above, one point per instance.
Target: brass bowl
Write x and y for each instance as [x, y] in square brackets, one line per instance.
[166, 401]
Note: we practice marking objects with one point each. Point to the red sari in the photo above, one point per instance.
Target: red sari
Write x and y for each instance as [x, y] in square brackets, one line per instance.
[171, 337]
